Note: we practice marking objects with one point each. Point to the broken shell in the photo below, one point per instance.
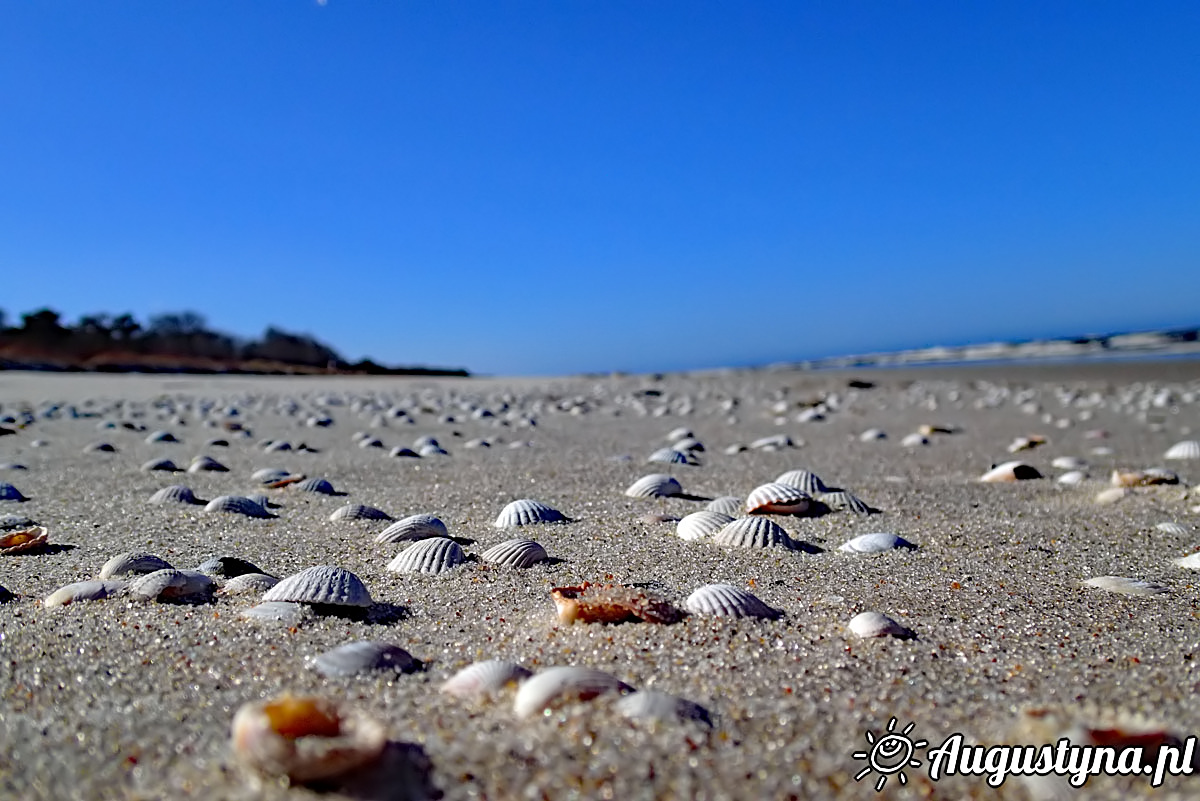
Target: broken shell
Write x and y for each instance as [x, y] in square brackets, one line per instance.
[22, 540]
[1172, 528]
[166, 465]
[236, 504]
[83, 591]
[317, 485]
[556, 685]
[270, 475]
[803, 480]
[846, 500]
[228, 567]
[433, 555]
[305, 738]
[285, 613]
[688, 445]
[358, 511]
[483, 678]
[1125, 586]
[10, 493]
[414, 527]
[872, 434]
[877, 624]
[777, 498]
[526, 512]
[519, 553]
[323, 585]
[176, 493]
[754, 532]
[875, 543]
[1191, 561]
[914, 440]
[364, 656]
[133, 563]
[170, 584]
[702, 525]
[682, 432]
[726, 504]
[655, 485]
[248, 584]
[1111, 495]
[1026, 443]
[726, 600]
[1010, 471]
[671, 456]
[1188, 449]
[654, 706]
[774, 442]
[1068, 463]
[610, 603]
[1073, 478]
[1143, 478]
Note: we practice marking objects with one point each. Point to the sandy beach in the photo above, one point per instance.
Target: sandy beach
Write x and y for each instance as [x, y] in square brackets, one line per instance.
[120, 699]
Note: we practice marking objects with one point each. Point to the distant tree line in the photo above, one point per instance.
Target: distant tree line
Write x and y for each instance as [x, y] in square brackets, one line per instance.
[182, 339]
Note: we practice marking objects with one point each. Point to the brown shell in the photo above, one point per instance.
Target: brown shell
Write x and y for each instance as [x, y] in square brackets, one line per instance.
[26, 539]
[611, 603]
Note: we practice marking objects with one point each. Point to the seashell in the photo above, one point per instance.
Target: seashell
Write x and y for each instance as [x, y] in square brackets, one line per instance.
[175, 493]
[1125, 586]
[654, 706]
[776, 498]
[726, 600]
[23, 540]
[610, 603]
[432, 450]
[803, 480]
[702, 525]
[370, 442]
[206, 464]
[248, 584]
[1026, 443]
[477, 442]
[317, 485]
[133, 563]
[557, 685]
[1191, 561]
[1072, 479]
[323, 585]
[160, 436]
[170, 584]
[228, 567]
[216, 442]
[1068, 463]
[6, 595]
[754, 532]
[236, 504]
[83, 591]
[165, 465]
[433, 555]
[286, 613]
[688, 445]
[10, 522]
[655, 485]
[12, 466]
[262, 500]
[734, 449]
[875, 543]
[929, 430]
[914, 440]
[1010, 471]
[281, 446]
[269, 475]
[1188, 449]
[414, 527]
[526, 512]
[1101, 450]
[682, 432]
[877, 624]
[1143, 478]
[726, 505]
[287, 480]
[357, 511]
[305, 738]
[484, 678]
[1112, 495]
[363, 656]
[404, 453]
[519, 553]
[1172, 528]
[671, 456]
[10, 493]
[846, 500]
[872, 434]
[100, 447]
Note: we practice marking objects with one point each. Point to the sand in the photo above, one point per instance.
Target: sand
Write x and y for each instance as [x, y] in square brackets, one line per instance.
[117, 699]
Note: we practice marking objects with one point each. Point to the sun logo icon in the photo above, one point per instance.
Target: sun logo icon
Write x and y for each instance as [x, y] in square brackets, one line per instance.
[889, 754]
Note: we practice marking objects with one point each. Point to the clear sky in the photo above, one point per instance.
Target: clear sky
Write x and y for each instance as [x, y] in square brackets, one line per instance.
[553, 187]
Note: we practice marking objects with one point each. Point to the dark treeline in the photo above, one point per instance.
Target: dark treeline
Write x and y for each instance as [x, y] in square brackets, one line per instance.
[175, 342]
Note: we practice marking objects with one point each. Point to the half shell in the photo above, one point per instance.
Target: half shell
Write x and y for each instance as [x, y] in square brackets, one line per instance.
[875, 543]
[1010, 471]
[803, 480]
[557, 685]
[414, 527]
[651, 705]
[754, 532]
[133, 563]
[206, 464]
[671, 456]
[166, 465]
[848, 501]
[10, 493]
[322, 585]
[776, 498]
[228, 567]
[726, 600]
[176, 493]
[1125, 586]
[877, 624]
[236, 504]
[483, 678]
[364, 656]
[83, 591]
[610, 603]
[433, 555]
[170, 584]
[1188, 449]
[655, 485]
[702, 525]
[518, 552]
[358, 511]
[248, 584]
[317, 485]
[726, 504]
[526, 512]
[22, 540]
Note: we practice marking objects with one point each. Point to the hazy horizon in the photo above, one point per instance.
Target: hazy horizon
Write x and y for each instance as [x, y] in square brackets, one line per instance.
[546, 189]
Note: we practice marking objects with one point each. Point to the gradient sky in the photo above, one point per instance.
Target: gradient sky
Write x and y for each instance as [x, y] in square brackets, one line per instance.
[554, 187]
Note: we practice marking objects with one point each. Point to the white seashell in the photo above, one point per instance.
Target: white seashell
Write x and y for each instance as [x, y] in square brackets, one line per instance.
[248, 584]
[358, 511]
[556, 685]
[236, 504]
[726, 600]
[424, 442]
[727, 505]
[753, 532]
[702, 525]
[1010, 471]
[526, 512]
[655, 485]
[318, 485]
[877, 624]
[872, 434]
[736, 448]
[1188, 449]
[160, 436]
[683, 432]
[1112, 495]
[1172, 528]
[325, 585]
[363, 656]
[414, 527]
[1191, 561]
[433, 556]
[520, 553]
[10, 493]
[846, 500]
[206, 464]
[914, 440]
[484, 678]
[671, 456]
[688, 445]
[286, 613]
[170, 584]
[83, 591]
[132, 563]
[270, 475]
[1072, 479]
[1143, 478]
[803, 480]
[654, 706]
[1068, 463]
[227, 567]
[1125, 586]
[165, 465]
[875, 543]
[777, 498]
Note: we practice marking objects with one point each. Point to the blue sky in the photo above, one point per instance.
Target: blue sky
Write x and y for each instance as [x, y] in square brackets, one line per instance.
[541, 188]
